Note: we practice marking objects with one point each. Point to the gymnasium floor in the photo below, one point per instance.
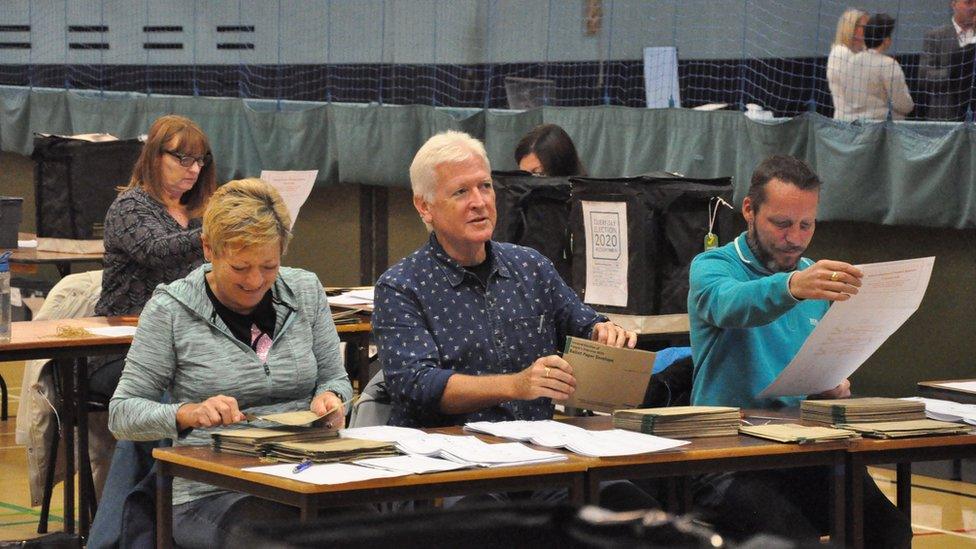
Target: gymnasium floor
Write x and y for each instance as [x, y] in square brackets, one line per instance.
[943, 511]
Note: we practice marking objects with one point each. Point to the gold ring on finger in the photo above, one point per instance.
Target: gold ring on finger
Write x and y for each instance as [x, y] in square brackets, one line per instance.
[834, 276]
[547, 371]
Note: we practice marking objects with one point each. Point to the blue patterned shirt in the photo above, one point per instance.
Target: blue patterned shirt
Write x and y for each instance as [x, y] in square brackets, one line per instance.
[434, 318]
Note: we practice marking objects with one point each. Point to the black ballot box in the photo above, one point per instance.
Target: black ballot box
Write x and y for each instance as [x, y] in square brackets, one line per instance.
[533, 211]
[633, 238]
[75, 181]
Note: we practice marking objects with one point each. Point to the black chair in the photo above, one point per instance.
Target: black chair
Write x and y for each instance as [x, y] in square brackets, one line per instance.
[96, 404]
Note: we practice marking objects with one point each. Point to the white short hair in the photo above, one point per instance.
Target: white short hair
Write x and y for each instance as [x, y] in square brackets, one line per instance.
[444, 148]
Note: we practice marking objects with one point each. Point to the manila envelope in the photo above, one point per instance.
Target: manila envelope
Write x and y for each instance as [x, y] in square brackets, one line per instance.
[607, 378]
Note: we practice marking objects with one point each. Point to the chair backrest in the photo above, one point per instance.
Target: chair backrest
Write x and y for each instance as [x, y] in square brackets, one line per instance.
[374, 405]
[671, 386]
[74, 296]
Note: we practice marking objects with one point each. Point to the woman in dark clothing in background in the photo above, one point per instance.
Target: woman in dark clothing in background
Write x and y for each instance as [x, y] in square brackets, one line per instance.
[548, 150]
[152, 229]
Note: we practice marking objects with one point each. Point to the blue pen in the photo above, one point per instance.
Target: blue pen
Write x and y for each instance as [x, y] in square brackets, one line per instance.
[305, 464]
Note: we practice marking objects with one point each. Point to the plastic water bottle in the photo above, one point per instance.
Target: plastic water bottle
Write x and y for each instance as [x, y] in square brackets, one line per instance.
[4, 297]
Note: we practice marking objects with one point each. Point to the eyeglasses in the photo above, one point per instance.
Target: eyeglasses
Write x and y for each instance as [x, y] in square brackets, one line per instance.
[187, 160]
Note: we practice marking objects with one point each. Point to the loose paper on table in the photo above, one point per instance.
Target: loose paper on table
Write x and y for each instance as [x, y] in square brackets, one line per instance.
[852, 330]
[969, 386]
[293, 186]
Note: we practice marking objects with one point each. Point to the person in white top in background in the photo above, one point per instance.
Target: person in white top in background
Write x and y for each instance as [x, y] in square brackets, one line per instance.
[875, 82]
[848, 40]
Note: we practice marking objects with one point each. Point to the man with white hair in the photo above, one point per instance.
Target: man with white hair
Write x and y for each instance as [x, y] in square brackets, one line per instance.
[468, 328]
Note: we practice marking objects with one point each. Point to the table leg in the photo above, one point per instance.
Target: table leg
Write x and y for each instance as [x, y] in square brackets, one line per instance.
[903, 476]
[308, 511]
[854, 520]
[591, 492]
[577, 490]
[164, 506]
[837, 502]
[68, 408]
[85, 487]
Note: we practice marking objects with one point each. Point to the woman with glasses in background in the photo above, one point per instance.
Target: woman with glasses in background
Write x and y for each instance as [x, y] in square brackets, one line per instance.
[152, 229]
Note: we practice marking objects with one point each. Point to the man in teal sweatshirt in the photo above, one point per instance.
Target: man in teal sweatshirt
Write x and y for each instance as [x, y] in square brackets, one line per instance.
[751, 304]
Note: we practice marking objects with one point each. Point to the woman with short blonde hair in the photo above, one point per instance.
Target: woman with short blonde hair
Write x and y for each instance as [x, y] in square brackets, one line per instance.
[247, 213]
[239, 335]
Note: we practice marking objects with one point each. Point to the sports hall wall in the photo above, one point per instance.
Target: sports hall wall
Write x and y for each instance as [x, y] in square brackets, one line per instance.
[893, 190]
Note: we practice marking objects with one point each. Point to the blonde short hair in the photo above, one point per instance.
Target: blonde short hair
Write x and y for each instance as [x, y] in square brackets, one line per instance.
[846, 26]
[444, 148]
[244, 213]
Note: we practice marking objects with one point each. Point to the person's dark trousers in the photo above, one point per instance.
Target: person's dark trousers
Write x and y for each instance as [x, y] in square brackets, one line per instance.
[794, 504]
[615, 495]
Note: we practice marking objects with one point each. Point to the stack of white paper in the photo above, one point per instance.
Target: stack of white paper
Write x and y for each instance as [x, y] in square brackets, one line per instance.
[326, 473]
[946, 410]
[553, 434]
[412, 464]
[354, 298]
[382, 433]
[473, 451]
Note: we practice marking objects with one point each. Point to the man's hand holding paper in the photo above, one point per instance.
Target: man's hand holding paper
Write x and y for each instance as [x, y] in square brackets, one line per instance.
[853, 329]
[826, 279]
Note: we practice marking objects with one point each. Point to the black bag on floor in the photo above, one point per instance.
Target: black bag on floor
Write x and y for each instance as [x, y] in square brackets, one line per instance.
[75, 181]
[533, 211]
[667, 218]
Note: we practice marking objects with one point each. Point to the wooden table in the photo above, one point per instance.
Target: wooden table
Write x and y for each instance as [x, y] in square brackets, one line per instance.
[902, 452]
[937, 389]
[224, 470]
[63, 261]
[720, 454]
[39, 340]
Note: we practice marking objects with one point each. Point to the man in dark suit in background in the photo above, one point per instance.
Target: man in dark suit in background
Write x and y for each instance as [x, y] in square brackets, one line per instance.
[949, 87]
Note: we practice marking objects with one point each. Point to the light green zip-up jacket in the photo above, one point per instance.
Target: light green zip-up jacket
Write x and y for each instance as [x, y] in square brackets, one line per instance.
[182, 346]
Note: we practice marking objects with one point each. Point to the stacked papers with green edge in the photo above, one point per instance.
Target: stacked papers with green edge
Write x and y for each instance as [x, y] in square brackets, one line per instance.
[900, 429]
[680, 421]
[861, 410]
[251, 441]
[794, 432]
[330, 451]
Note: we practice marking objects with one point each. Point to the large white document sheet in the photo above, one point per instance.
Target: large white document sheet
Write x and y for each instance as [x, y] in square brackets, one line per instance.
[293, 186]
[605, 226]
[852, 330]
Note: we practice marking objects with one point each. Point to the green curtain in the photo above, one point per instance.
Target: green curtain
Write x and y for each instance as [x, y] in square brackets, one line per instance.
[888, 173]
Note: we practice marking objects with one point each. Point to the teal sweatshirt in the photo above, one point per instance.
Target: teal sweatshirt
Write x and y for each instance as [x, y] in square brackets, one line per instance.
[745, 326]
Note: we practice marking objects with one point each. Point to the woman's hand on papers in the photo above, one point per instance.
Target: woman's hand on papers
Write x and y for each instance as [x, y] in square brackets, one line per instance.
[826, 279]
[841, 391]
[328, 404]
[216, 410]
[549, 376]
[610, 334]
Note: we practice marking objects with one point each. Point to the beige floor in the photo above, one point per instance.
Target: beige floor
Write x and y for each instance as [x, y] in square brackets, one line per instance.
[943, 512]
